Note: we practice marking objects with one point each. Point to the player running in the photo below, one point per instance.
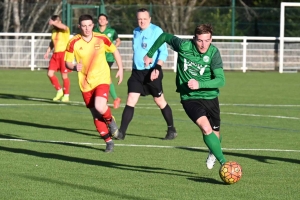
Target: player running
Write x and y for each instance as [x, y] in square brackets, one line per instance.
[88, 50]
[199, 75]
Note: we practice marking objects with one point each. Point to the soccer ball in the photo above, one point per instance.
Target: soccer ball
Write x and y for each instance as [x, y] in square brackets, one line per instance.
[230, 172]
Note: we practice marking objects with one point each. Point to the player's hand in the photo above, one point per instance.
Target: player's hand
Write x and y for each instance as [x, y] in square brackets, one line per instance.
[147, 61]
[154, 74]
[79, 66]
[120, 76]
[193, 84]
[51, 22]
[46, 56]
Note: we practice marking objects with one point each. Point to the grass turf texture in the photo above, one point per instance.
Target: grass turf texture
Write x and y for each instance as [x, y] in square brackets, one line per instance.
[51, 150]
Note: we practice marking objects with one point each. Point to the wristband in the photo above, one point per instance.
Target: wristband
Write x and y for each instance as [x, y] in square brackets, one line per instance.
[75, 68]
[157, 66]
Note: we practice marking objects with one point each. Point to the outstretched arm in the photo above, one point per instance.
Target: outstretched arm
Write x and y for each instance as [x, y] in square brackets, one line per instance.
[170, 39]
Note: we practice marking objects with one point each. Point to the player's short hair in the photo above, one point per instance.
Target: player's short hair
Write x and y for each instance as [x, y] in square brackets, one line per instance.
[104, 15]
[84, 17]
[143, 10]
[55, 17]
[204, 28]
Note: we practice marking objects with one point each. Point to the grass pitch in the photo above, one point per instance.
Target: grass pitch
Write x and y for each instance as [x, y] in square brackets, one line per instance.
[51, 150]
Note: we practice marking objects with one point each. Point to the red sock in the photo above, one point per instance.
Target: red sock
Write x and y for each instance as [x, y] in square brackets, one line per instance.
[55, 82]
[107, 115]
[102, 129]
[66, 86]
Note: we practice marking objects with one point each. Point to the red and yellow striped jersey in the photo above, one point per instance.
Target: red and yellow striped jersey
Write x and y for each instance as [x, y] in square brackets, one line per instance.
[91, 55]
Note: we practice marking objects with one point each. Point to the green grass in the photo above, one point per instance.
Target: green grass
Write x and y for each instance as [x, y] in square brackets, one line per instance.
[51, 150]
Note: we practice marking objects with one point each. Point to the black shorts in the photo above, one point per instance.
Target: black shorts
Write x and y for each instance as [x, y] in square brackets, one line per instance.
[196, 108]
[110, 64]
[139, 82]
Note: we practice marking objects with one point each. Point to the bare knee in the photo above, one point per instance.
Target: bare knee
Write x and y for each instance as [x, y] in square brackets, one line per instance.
[50, 73]
[206, 129]
[132, 99]
[64, 75]
[160, 102]
[101, 108]
[204, 125]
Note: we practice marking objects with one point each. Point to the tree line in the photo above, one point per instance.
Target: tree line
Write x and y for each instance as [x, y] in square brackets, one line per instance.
[228, 17]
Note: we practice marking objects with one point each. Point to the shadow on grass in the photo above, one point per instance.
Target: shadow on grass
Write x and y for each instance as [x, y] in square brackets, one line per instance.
[10, 137]
[26, 98]
[263, 159]
[145, 136]
[78, 186]
[145, 169]
[22, 123]
[207, 180]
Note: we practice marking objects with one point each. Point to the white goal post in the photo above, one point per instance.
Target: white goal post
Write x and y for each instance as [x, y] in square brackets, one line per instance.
[282, 28]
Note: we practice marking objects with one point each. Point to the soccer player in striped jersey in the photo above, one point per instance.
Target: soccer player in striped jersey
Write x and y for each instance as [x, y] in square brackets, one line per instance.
[59, 40]
[199, 76]
[88, 49]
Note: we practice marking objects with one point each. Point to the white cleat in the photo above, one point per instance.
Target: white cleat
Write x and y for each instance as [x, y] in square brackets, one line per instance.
[210, 161]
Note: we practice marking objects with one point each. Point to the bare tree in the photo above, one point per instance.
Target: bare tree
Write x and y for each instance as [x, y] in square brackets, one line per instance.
[248, 10]
[35, 15]
[6, 15]
[174, 15]
[57, 11]
[16, 16]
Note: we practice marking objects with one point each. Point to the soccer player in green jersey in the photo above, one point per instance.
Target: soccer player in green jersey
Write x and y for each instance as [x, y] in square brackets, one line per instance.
[113, 36]
[198, 79]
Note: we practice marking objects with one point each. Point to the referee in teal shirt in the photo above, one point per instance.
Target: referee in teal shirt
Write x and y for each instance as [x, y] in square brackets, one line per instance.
[140, 82]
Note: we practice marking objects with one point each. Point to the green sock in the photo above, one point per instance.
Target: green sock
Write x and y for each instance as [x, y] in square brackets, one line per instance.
[112, 91]
[213, 143]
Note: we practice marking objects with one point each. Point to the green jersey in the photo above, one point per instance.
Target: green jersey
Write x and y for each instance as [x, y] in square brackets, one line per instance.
[112, 35]
[206, 68]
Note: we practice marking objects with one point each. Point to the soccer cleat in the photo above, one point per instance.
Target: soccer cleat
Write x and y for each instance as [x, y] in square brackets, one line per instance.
[113, 128]
[109, 147]
[171, 134]
[210, 161]
[117, 103]
[65, 99]
[120, 136]
[59, 95]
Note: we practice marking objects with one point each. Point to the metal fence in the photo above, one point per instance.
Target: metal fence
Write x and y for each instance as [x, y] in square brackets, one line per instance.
[238, 53]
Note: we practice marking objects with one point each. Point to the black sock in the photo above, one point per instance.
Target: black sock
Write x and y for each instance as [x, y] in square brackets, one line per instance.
[126, 118]
[167, 113]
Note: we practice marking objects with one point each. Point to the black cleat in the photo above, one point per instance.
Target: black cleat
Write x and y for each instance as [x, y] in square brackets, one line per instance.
[171, 134]
[113, 128]
[119, 136]
[109, 147]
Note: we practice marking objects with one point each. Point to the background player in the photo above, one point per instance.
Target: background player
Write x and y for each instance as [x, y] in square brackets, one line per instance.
[113, 36]
[59, 40]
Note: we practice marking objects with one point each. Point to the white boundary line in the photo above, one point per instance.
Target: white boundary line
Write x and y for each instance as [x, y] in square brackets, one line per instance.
[147, 146]
[153, 106]
[148, 104]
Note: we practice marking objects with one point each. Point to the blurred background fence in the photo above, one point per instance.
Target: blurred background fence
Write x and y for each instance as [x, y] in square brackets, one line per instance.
[238, 53]
[247, 32]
